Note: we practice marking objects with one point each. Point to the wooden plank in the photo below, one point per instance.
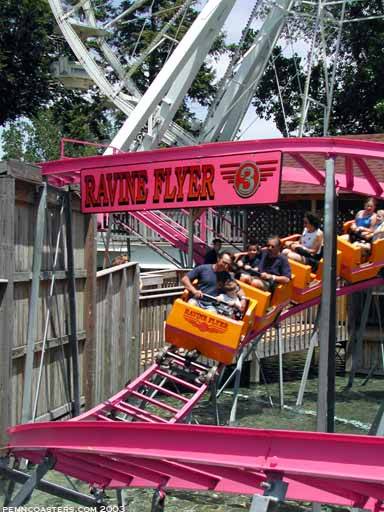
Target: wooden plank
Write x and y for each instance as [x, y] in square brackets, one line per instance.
[59, 412]
[116, 268]
[21, 350]
[46, 275]
[135, 346]
[90, 350]
[7, 261]
[123, 339]
[72, 305]
[107, 341]
[21, 171]
[33, 306]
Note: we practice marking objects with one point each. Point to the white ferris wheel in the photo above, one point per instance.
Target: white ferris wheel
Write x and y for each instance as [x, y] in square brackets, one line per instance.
[150, 113]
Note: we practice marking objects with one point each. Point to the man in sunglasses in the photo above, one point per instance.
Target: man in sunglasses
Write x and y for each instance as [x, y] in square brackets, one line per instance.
[210, 280]
[273, 267]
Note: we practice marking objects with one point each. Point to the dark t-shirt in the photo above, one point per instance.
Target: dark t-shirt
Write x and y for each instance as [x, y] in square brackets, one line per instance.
[209, 281]
[210, 257]
[278, 266]
[254, 262]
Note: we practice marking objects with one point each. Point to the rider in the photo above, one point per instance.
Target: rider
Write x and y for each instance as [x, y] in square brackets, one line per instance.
[274, 267]
[211, 256]
[372, 236]
[310, 247]
[231, 300]
[365, 221]
[210, 280]
[247, 262]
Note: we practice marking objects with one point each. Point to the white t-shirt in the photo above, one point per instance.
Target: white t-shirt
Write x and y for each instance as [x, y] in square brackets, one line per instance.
[308, 238]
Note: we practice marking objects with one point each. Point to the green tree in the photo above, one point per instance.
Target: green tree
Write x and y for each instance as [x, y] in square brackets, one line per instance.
[70, 116]
[359, 87]
[34, 133]
[25, 56]
[359, 93]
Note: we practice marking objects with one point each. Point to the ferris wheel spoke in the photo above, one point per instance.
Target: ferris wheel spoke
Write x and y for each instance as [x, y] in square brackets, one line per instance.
[225, 120]
[188, 53]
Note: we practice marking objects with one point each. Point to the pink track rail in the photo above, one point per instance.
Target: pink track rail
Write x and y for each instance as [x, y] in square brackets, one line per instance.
[344, 470]
[347, 289]
[172, 232]
[153, 389]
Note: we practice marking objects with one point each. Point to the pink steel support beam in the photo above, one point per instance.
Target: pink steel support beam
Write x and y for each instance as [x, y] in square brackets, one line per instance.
[68, 170]
[378, 190]
[342, 290]
[315, 145]
[359, 185]
[170, 231]
[349, 176]
[319, 177]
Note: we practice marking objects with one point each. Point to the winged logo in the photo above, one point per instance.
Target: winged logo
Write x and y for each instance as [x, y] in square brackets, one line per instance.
[247, 177]
[202, 323]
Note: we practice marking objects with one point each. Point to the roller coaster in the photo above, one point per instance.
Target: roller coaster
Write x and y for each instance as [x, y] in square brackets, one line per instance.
[131, 439]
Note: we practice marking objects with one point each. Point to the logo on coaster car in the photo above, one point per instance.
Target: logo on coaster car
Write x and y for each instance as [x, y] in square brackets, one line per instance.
[204, 322]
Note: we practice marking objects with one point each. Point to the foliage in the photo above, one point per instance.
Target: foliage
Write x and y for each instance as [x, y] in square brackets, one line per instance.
[358, 100]
[266, 99]
[359, 95]
[45, 112]
[72, 116]
[25, 56]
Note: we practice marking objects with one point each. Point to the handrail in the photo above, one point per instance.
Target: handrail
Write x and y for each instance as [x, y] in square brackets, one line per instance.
[115, 268]
[84, 143]
[162, 295]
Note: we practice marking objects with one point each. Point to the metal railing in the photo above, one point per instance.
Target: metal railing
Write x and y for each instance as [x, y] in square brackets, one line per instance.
[226, 224]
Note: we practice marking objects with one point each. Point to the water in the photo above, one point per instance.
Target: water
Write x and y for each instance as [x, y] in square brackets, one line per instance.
[356, 408]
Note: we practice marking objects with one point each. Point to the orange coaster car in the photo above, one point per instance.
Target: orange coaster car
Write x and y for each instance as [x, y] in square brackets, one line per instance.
[267, 305]
[356, 267]
[213, 335]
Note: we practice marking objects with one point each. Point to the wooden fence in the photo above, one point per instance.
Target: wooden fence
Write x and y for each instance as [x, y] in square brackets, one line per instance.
[297, 330]
[154, 308]
[118, 329]
[107, 305]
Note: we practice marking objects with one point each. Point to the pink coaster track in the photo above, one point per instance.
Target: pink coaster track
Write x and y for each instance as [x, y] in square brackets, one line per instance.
[359, 160]
[328, 468]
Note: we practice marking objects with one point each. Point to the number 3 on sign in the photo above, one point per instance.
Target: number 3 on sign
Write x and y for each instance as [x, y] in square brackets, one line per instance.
[247, 179]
